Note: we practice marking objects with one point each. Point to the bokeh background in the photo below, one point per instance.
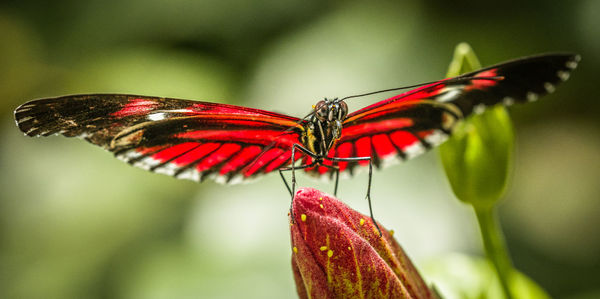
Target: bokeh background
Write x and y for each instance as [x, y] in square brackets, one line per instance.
[76, 223]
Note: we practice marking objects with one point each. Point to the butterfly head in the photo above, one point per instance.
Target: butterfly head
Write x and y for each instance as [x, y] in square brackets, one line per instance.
[330, 110]
[326, 124]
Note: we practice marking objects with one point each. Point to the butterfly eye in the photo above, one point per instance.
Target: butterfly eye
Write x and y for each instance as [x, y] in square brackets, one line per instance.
[321, 110]
[343, 110]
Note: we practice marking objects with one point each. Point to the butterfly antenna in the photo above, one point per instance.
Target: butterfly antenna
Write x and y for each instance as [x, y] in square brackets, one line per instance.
[433, 83]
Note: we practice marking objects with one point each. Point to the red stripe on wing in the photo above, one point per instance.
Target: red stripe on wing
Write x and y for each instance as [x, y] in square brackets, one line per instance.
[224, 152]
[483, 84]
[196, 154]
[135, 107]
[257, 137]
[307, 160]
[151, 150]
[241, 159]
[344, 150]
[402, 139]
[262, 161]
[281, 161]
[363, 149]
[383, 146]
[174, 151]
[366, 129]
[323, 169]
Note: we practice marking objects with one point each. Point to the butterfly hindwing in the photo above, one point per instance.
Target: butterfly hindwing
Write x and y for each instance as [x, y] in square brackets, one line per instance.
[182, 138]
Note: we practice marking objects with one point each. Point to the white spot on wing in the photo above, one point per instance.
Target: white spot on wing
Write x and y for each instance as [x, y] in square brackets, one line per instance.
[179, 111]
[549, 87]
[168, 169]
[24, 119]
[157, 116]
[532, 96]
[479, 108]
[236, 179]
[221, 179]
[563, 75]
[189, 174]
[436, 138]
[27, 106]
[83, 135]
[572, 64]
[146, 163]
[162, 114]
[448, 96]
[389, 160]
[345, 174]
[128, 155]
[414, 150]
[31, 130]
[508, 101]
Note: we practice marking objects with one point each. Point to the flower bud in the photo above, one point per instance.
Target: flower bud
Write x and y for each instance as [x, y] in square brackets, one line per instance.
[478, 157]
[339, 253]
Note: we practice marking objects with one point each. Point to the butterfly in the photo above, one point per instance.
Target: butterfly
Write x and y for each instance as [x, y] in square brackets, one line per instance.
[198, 140]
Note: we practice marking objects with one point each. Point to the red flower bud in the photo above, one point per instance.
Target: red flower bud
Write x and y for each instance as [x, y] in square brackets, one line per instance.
[339, 253]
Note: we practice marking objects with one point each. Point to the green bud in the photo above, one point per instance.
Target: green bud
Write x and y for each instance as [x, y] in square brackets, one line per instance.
[477, 158]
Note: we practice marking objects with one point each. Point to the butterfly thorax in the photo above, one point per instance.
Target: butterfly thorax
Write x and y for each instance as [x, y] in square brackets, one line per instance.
[325, 126]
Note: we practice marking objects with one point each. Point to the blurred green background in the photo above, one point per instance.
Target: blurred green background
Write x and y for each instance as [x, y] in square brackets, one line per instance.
[76, 223]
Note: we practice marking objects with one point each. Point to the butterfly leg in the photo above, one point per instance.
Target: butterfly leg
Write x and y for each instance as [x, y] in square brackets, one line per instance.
[368, 197]
[281, 170]
[337, 179]
[336, 170]
[285, 182]
[293, 169]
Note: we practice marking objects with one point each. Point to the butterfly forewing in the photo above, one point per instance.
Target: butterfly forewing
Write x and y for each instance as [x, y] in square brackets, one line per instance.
[182, 138]
[409, 124]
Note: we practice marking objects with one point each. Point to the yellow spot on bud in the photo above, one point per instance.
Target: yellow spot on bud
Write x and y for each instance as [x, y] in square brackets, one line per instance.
[349, 248]
[330, 253]
[321, 205]
[362, 221]
[303, 217]
[323, 248]
[295, 249]
[313, 106]
[391, 232]
[320, 198]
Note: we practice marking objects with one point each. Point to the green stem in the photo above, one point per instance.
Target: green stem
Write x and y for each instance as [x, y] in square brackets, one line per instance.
[495, 248]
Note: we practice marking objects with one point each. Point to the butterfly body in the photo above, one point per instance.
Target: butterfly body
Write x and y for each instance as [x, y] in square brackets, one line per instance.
[325, 126]
[198, 140]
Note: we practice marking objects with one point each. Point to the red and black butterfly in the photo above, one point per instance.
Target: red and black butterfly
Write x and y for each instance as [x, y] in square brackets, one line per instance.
[196, 140]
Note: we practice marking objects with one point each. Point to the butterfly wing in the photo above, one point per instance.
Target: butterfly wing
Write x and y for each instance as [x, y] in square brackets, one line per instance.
[182, 138]
[408, 124]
